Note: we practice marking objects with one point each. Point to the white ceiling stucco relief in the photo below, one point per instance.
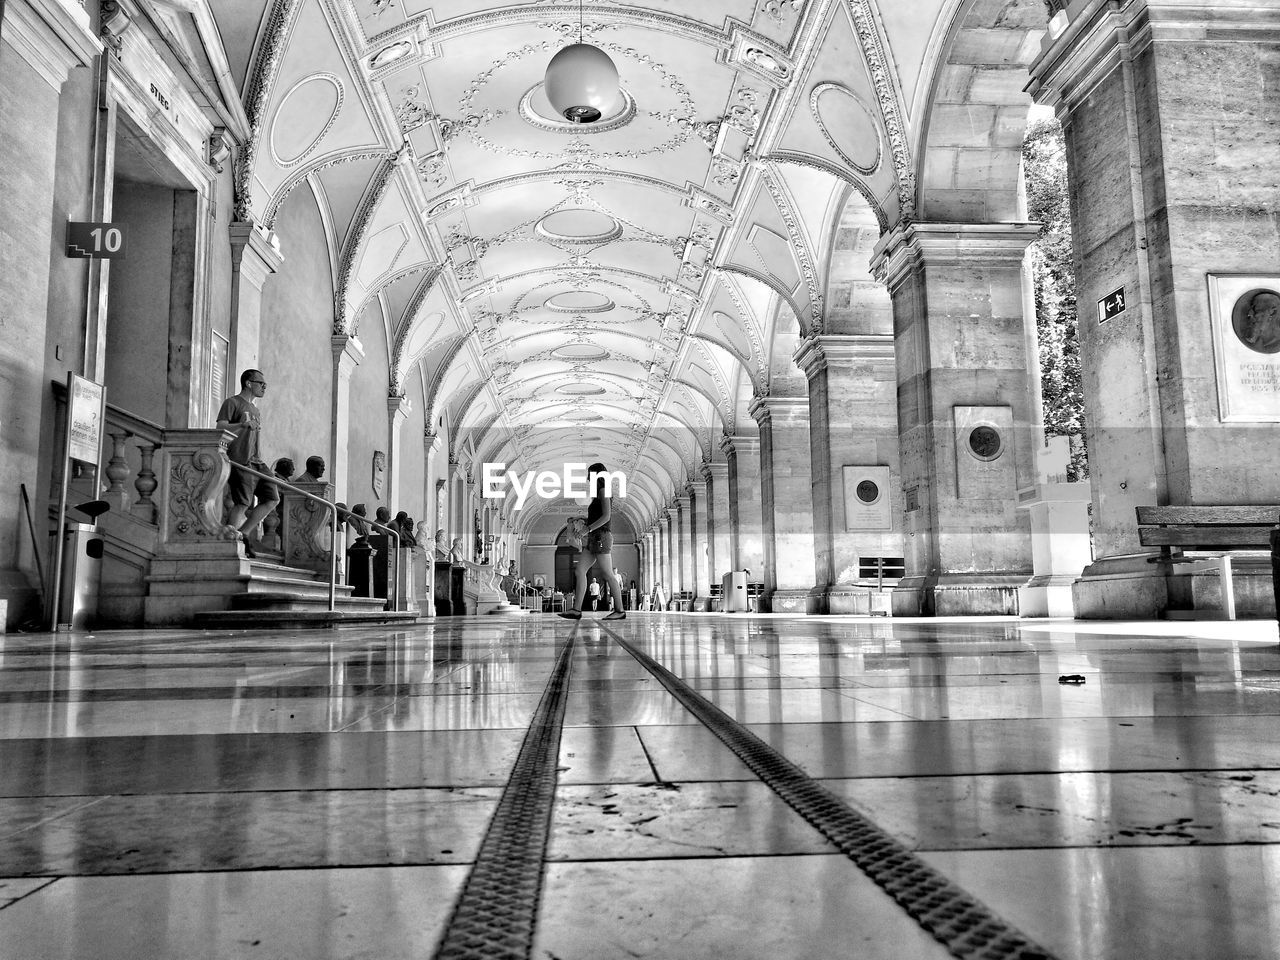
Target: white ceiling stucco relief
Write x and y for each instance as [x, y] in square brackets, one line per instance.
[589, 292]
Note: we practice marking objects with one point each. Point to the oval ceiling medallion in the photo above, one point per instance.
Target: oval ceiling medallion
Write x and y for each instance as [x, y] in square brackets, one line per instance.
[304, 116]
[390, 54]
[579, 301]
[582, 416]
[580, 390]
[576, 225]
[537, 111]
[580, 351]
[849, 126]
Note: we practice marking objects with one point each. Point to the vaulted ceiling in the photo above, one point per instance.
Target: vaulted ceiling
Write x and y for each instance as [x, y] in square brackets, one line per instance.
[610, 291]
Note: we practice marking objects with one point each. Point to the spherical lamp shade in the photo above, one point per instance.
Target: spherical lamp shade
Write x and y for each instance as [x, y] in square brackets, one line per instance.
[582, 83]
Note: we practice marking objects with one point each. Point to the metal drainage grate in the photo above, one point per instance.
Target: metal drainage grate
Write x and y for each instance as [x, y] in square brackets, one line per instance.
[497, 908]
[963, 924]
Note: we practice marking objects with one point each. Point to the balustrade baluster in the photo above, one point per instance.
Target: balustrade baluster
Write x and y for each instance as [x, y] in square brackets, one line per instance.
[146, 483]
[118, 470]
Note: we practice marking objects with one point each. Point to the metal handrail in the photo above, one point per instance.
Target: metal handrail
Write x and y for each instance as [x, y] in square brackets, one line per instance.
[394, 598]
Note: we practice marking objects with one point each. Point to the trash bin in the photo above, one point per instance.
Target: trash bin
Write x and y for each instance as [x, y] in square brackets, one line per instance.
[81, 574]
[733, 592]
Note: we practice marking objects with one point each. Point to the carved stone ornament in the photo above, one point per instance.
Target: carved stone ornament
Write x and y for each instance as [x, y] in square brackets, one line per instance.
[379, 472]
[197, 479]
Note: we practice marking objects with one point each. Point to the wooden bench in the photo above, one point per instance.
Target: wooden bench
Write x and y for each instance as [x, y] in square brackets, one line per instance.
[1208, 529]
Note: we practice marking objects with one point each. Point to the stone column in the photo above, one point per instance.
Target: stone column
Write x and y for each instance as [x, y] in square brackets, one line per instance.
[700, 539]
[469, 508]
[255, 256]
[719, 549]
[967, 418]
[746, 518]
[853, 435]
[397, 411]
[786, 504]
[347, 354]
[665, 566]
[683, 543]
[1170, 115]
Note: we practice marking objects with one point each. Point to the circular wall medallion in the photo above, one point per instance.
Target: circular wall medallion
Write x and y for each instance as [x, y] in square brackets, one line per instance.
[868, 491]
[304, 116]
[576, 225]
[985, 442]
[580, 351]
[849, 126]
[1256, 320]
[536, 110]
[579, 301]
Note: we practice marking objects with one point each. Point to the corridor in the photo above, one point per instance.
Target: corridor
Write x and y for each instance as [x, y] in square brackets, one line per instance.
[676, 787]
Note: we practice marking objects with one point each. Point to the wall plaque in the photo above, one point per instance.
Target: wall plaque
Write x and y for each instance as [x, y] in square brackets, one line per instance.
[1244, 311]
[867, 505]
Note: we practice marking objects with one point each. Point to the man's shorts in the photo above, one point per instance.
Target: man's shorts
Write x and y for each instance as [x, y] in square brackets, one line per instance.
[244, 486]
[598, 542]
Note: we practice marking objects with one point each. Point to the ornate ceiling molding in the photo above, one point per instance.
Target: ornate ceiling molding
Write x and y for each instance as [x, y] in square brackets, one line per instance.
[265, 69]
[407, 323]
[343, 318]
[442, 374]
[873, 48]
[841, 173]
[321, 163]
[800, 245]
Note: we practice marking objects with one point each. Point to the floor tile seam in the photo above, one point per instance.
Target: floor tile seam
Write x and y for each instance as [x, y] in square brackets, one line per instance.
[657, 777]
[1160, 843]
[495, 785]
[29, 893]
[265, 868]
[948, 912]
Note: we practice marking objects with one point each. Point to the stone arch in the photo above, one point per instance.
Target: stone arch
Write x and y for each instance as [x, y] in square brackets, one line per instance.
[969, 151]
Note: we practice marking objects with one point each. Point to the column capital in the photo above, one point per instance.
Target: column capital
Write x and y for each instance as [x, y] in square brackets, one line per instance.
[715, 471]
[681, 501]
[739, 444]
[430, 441]
[398, 408]
[347, 353]
[764, 410]
[1084, 45]
[912, 245]
[254, 254]
[818, 352]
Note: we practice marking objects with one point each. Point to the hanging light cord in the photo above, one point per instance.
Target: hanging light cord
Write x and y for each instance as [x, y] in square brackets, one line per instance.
[579, 21]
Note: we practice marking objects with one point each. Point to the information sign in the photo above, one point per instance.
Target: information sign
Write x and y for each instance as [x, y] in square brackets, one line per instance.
[84, 423]
[1111, 306]
[100, 241]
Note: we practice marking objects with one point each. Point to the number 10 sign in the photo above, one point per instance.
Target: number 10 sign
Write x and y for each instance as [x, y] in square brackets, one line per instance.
[103, 241]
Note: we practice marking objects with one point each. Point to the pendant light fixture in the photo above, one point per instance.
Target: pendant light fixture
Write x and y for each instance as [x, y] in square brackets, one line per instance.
[582, 82]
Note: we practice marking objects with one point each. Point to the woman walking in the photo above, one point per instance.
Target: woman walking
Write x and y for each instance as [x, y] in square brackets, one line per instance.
[598, 547]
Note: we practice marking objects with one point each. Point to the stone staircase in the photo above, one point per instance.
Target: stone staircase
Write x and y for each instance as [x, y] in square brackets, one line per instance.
[276, 595]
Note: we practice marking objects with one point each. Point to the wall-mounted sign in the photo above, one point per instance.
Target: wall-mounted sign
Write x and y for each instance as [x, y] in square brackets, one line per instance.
[1111, 306]
[103, 241]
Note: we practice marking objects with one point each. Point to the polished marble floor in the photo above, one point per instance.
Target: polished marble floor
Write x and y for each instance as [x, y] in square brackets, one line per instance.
[326, 794]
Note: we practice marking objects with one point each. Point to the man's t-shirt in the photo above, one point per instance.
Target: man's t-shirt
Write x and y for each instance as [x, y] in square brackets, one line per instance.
[594, 588]
[244, 448]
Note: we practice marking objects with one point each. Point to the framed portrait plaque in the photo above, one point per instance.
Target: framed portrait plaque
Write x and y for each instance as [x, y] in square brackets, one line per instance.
[1244, 310]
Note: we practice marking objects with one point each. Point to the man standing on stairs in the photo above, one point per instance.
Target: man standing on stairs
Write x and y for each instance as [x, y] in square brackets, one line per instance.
[241, 416]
